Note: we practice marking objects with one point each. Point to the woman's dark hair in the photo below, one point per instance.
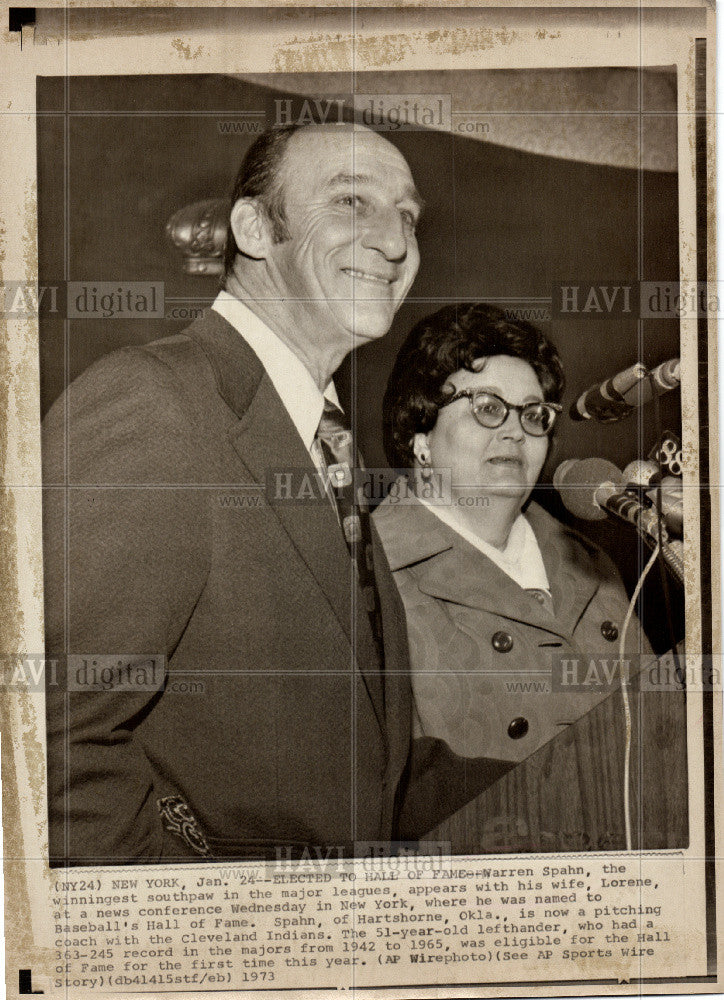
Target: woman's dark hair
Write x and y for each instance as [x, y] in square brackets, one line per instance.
[442, 344]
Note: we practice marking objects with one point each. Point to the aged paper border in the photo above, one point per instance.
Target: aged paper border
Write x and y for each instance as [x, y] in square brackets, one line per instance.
[504, 38]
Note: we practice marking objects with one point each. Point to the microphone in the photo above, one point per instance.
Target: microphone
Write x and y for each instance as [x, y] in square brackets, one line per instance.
[592, 487]
[619, 395]
[672, 504]
[578, 480]
[641, 473]
[628, 508]
[644, 473]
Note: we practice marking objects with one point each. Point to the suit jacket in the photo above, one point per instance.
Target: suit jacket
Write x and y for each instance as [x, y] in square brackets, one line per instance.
[494, 674]
[272, 728]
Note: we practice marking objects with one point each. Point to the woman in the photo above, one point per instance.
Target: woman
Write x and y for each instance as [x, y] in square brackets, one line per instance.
[500, 597]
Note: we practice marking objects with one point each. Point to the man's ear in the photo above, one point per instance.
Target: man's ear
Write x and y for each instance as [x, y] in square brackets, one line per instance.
[250, 226]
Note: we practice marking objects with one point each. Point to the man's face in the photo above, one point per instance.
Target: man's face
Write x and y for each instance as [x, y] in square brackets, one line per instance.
[351, 210]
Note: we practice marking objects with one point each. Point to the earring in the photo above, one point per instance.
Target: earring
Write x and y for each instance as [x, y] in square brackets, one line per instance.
[424, 460]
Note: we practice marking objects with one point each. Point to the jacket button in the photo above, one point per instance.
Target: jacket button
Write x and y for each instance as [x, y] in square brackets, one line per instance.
[502, 642]
[609, 631]
[518, 728]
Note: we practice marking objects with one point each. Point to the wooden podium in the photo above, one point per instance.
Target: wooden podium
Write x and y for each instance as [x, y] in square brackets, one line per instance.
[568, 796]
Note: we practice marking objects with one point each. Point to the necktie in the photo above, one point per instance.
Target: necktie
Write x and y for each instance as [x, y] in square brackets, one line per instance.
[341, 458]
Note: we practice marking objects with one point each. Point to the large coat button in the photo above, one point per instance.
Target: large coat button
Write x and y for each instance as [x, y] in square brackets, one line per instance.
[502, 642]
[518, 728]
[609, 631]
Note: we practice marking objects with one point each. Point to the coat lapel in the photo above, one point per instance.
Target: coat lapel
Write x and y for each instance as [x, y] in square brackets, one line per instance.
[451, 569]
[573, 580]
[265, 438]
[465, 576]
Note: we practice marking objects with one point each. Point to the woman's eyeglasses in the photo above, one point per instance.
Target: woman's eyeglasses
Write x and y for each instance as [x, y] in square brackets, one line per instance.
[491, 411]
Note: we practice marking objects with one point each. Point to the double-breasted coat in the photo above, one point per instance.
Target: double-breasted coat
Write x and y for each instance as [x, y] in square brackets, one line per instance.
[495, 675]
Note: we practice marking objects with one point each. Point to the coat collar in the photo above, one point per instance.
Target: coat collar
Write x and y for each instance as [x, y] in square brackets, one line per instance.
[266, 439]
[237, 369]
[448, 567]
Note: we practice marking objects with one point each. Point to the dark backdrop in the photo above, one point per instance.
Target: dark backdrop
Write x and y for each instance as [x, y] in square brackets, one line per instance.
[500, 225]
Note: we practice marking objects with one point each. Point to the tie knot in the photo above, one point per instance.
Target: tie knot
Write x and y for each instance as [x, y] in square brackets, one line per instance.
[334, 428]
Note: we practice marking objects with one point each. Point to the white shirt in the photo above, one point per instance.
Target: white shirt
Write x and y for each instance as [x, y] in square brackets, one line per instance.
[521, 558]
[292, 380]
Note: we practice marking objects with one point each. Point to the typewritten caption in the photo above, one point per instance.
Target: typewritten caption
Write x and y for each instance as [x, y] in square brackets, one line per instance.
[256, 927]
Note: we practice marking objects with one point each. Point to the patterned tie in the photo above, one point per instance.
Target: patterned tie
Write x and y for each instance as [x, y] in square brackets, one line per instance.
[341, 457]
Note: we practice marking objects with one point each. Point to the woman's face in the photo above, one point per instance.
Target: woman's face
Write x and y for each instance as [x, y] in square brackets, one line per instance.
[503, 461]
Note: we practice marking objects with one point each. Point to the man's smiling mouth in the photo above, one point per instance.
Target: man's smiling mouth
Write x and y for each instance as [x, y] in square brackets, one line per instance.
[366, 276]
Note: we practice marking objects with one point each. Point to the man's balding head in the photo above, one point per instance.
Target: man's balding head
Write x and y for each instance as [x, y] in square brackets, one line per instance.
[260, 174]
[259, 177]
[322, 243]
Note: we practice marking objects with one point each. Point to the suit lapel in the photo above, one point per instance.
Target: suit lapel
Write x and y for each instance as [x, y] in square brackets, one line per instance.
[265, 438]
[398, 709]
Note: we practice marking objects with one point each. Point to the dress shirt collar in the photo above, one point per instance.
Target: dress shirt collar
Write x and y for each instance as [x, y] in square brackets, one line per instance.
[521, 558]
[292, 380]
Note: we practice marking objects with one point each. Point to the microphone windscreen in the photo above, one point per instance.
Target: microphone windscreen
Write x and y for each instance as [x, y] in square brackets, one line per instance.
[668, 375]
[578, 410]
[577, 481]
[641, 472]
[627, 380]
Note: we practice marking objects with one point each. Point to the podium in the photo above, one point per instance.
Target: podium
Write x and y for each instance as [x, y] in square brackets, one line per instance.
[569, 794]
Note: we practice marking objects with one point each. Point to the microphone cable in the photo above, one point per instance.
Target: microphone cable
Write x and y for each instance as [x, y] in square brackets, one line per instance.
[625, 697]
[657, 554]
[660, 518]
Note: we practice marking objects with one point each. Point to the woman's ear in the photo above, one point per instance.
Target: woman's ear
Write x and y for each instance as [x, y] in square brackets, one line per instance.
[421, 449]
[250, 226]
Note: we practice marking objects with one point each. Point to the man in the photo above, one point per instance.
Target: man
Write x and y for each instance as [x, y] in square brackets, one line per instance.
[281, 727]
